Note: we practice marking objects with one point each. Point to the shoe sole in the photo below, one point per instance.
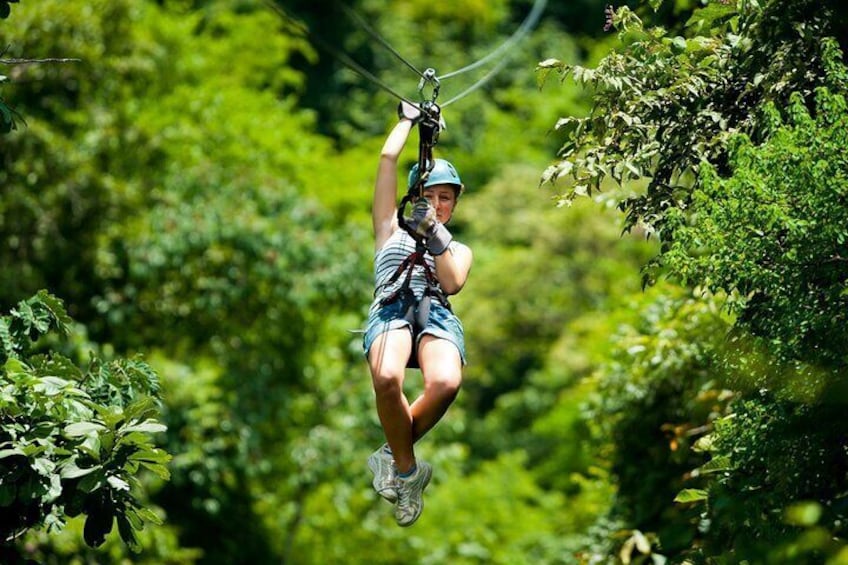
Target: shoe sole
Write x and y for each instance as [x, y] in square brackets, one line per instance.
[387, 494]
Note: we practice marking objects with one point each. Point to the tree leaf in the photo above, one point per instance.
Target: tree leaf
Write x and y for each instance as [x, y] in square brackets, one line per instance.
[51, 386]
[72, 471]
[117, 483]
[149, 515]
[11, 452]
[148, 426]
[710, 15]
[151, 455]
[44, 466]
[92, 481]
[57, 310]
[689, 495]
[715, 465]
[79, 429]
[97, 525]
[160, 470]
[550, 63]
[127, 531]
[142, 408]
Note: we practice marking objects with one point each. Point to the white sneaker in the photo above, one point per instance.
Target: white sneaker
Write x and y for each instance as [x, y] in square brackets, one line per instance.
[385, 475]
[409, 495]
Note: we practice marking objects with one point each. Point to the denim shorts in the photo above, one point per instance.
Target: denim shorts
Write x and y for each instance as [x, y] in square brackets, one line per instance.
[442, 323]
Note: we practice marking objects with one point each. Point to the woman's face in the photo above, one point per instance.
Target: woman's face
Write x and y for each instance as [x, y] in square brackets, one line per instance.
[442, 197]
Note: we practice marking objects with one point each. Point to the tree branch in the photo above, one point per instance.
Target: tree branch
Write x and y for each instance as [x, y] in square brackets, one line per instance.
[47, 60]
[16, 61]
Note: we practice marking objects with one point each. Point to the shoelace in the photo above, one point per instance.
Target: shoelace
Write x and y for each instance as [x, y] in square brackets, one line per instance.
[405, 498]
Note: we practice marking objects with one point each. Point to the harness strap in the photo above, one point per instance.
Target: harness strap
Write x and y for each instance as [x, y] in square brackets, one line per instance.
[408, 265]
[415, 311]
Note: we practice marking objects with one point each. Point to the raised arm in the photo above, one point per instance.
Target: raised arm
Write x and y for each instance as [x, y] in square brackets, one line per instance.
[384, 207]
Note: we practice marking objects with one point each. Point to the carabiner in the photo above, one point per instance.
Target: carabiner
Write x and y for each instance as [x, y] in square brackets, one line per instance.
[429, 77]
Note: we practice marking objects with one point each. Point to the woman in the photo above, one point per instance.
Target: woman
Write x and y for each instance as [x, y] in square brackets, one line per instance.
[402, 329]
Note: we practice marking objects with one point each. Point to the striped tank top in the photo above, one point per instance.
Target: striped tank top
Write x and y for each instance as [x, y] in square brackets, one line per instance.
[386, 262]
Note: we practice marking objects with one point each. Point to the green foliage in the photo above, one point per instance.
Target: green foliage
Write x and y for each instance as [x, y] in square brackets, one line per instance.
[173, 187]
[739, 126]
[535, 301]
[773, 233]
[158, 546]
[72, 441]
[52, 202]
[214, 473]
[9, 117]
[656, 395]
[507, 491]
[663, 105]
[782, 495]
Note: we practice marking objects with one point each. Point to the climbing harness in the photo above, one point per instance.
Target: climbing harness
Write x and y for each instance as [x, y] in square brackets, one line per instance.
[415, 311]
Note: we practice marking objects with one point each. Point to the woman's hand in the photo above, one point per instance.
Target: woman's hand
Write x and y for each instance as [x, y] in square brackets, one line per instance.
[436, 236]
[409, 112]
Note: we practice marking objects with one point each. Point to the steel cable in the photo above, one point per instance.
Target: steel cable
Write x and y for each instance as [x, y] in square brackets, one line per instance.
[341, 56]
[364, 25]
[529, 22]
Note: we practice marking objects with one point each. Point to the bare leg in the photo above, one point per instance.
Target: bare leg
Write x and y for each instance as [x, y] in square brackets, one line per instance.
[441, 367]
[387, 359]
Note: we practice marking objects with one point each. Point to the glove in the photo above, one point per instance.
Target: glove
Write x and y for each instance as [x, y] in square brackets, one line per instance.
[409, 111]
[423, 217]
[424, 223]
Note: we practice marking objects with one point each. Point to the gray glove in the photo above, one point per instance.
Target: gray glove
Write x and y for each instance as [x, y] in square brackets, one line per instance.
[423, 222]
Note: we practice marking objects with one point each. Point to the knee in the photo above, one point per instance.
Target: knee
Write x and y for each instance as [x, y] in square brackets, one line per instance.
[444, 385]
[387, 383]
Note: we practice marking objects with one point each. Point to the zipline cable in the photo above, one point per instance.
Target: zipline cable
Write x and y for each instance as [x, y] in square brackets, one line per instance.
[342, 57]
[483, 80]
[529, 22]
[364, 25]
[428, 76]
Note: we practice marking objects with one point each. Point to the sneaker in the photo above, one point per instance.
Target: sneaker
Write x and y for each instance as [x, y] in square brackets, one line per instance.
[381, 464]
[409, 495]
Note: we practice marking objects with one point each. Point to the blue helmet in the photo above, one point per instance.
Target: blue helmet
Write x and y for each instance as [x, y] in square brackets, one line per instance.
[442, 173]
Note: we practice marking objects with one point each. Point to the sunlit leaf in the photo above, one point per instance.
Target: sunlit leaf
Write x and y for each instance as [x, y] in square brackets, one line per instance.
[79, 429]
[690, 495]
